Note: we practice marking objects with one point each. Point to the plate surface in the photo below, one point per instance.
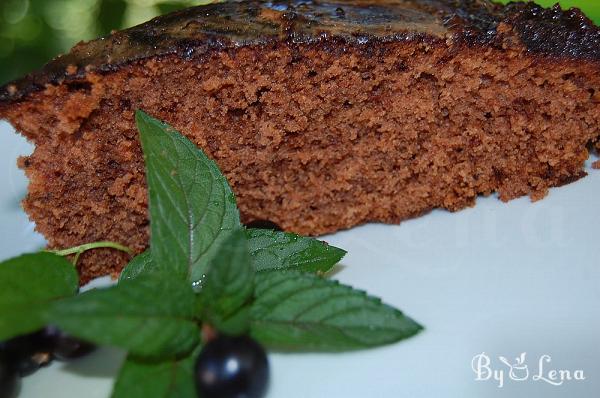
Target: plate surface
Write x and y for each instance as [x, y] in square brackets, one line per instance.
[500, 279]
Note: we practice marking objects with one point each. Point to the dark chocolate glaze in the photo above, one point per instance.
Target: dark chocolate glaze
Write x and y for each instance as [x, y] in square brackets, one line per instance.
[194, 31]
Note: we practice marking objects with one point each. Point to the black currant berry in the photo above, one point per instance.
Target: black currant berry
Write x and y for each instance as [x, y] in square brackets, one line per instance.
[232, 367]
[263, 224]
[65, 347]
[28, 353]
[9, 379]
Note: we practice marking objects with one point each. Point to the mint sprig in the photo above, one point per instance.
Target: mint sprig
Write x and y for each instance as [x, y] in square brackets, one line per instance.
[202, 267]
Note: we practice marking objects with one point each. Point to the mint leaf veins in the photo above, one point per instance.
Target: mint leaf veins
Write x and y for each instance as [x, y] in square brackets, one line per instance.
[192, 208]
[298, 311]
[151, 316]
[229, 286]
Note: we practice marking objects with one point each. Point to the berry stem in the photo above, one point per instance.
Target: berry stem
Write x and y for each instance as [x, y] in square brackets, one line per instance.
[209, 333]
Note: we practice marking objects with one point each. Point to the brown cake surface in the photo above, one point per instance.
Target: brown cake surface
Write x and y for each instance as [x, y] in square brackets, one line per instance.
[323, 115]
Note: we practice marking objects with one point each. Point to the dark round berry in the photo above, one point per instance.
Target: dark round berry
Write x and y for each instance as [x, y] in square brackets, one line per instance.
[28, 353]
[232, 367]
[263, 224]
[65, 347]
[9, 379]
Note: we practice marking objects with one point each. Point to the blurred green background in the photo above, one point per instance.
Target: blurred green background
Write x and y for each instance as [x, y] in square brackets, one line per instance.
[34, 31]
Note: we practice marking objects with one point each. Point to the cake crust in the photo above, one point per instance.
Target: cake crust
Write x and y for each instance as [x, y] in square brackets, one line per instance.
[196, 31]
[321, 115]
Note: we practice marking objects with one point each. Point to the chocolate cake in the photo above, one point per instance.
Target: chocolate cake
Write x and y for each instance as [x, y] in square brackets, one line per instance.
[323, 115]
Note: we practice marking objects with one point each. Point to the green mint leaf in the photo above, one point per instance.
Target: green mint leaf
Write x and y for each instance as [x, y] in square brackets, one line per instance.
[299, 311]
[28, 286]
[282, 250]
[151, 316]
[192, 208]
[229, 285]
[165, 379]
[138, 265]
[268, 250]
[236, 324]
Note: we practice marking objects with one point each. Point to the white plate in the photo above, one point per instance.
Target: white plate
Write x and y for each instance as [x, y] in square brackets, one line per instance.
[498, 278]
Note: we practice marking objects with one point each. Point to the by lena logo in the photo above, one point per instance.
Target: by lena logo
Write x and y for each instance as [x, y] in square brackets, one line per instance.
[519, 371]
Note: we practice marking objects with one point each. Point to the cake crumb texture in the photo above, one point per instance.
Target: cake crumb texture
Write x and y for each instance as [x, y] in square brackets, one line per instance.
[313, 136]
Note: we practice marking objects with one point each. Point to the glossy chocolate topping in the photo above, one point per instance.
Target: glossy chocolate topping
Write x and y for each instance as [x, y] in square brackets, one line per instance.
[194, 31]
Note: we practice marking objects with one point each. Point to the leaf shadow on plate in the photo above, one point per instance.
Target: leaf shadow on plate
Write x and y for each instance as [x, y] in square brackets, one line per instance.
[104, 363]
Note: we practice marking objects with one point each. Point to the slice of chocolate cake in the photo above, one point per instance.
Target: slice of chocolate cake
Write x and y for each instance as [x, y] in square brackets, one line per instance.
[323, 115]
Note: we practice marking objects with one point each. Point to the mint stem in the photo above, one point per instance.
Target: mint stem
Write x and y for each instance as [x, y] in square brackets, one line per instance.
[79, 250]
